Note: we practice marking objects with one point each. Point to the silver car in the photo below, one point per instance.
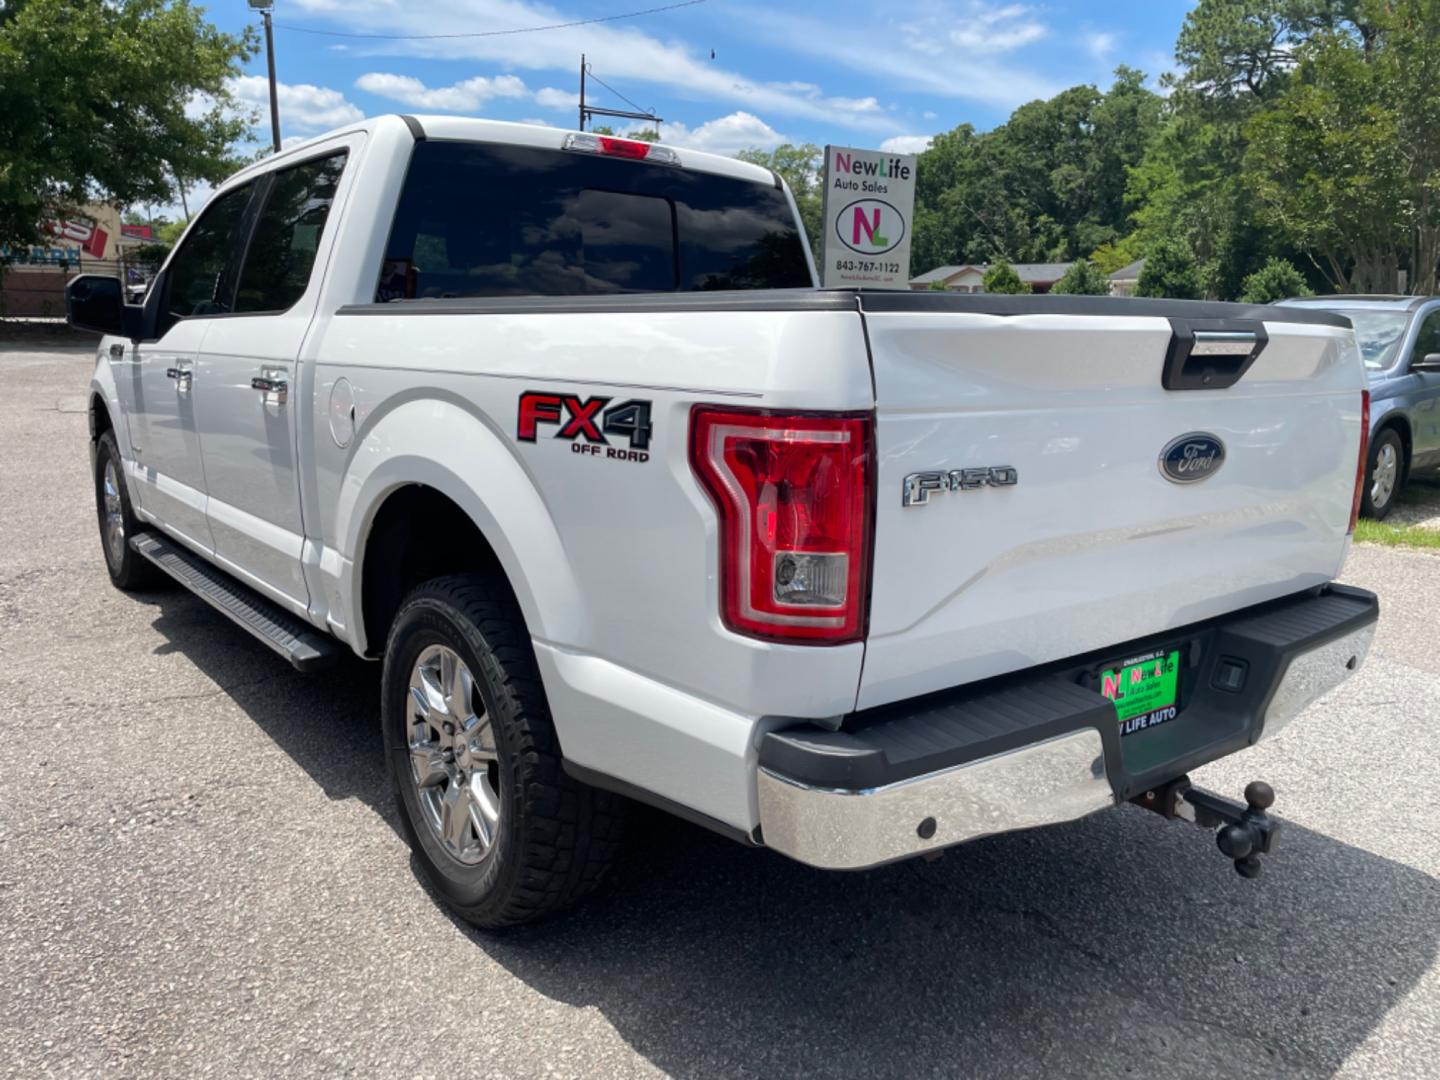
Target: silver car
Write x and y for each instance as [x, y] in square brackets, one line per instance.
[1399, 336]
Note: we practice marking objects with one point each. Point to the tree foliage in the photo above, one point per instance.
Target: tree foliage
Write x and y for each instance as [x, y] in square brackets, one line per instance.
[1049, 184]
[1002, 278]
[1083, 279]
[1276, 280]
[98, 103]
[1170, 270]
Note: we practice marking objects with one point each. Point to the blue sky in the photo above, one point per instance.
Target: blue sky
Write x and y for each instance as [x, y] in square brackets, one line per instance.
[866, 74]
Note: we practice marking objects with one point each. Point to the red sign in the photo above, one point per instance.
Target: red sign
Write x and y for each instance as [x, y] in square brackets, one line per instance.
[89, 236]
[139, 232]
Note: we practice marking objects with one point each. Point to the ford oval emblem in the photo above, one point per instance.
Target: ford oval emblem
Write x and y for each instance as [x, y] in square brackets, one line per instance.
[1192, 458]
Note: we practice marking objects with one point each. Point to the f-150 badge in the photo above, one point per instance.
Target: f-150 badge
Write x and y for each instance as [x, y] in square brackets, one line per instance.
[919, 485]
[586, 422]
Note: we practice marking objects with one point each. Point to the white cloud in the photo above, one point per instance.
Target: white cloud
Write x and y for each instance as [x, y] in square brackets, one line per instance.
[1100, 45]
[864, 105]
[928, 114]
[466, 96]
[548, 97]
[302, 106]
[907, 144]
[988, 29]
[724, 135]
[621, 53]
[947, 49]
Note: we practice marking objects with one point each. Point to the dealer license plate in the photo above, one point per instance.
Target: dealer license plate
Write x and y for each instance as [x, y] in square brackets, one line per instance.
[1145, 690]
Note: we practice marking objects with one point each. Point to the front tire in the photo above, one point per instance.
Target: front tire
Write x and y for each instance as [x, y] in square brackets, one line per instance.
[1384, 475]
[118, 523]
[501, 832]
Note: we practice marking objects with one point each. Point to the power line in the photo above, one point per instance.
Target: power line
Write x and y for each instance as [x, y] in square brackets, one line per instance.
[491, 33]
[591, 72]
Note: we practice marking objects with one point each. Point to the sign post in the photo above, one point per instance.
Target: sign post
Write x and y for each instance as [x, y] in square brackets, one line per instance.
[869, 210]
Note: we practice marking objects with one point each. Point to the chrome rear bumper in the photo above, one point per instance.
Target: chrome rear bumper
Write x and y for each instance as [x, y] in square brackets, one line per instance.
[1296, 653]
[1050, 782]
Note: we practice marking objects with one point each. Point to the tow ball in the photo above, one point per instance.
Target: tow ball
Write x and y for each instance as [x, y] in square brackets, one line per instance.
[1243, 833]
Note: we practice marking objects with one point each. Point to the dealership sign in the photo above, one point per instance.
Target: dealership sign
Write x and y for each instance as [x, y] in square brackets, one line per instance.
[869, 205]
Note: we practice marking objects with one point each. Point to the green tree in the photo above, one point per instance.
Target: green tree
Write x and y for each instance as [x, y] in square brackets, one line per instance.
[1048, 184]
[801, 168]
[938, 286]
[1083, 279]
[1278, 279]
[1002, 278]
[1346, 162]
[1170, 270]
[644, 135]
[93, 104]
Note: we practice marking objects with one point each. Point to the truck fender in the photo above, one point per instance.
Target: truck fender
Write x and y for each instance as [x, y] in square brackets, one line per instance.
[445, 445]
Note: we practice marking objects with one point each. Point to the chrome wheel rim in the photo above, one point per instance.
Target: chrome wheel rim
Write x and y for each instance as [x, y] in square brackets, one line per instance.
[1387, 472]
[114, 514]
[453, 757]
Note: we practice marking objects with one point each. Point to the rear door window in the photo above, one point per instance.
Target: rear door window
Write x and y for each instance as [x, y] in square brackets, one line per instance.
[282, 250]
[480, 219]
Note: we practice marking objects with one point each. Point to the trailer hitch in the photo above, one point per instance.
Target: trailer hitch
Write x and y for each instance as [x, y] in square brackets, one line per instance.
[1243, 833]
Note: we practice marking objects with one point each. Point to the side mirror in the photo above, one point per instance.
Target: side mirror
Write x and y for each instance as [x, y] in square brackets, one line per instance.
[1428, 362]
[97, 303]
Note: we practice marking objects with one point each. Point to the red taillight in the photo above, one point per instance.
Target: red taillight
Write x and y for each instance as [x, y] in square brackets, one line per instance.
[794, 500]
[1364, 453]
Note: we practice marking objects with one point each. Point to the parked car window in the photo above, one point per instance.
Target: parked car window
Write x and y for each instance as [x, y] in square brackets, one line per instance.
[196, 281]
[489, 220]
[1378, 334]
[282, 248]
[1427, 340]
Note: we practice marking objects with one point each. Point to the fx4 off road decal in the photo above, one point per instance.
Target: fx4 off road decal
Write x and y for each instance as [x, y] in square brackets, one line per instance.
[586, 422]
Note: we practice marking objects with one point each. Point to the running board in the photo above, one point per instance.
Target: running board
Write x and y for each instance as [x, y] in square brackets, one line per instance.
[306, 648]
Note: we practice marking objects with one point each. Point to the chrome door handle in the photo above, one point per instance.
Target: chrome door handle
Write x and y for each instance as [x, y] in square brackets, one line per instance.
[273, 384]
[182, 376]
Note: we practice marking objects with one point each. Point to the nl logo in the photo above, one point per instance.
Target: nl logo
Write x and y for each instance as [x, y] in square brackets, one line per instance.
[870, 227]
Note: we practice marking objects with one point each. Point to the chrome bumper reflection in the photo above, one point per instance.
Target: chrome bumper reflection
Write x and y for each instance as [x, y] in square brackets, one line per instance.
[1314, 674]
[1042, 784]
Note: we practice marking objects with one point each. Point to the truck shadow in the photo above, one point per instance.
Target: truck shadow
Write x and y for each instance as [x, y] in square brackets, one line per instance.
[1118, 944]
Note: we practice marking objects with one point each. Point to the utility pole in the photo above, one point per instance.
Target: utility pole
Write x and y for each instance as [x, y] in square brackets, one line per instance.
[582, 91]
[265, 7]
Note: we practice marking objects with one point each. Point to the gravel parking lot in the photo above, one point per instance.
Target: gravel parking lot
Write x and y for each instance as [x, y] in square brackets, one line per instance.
[201, 874]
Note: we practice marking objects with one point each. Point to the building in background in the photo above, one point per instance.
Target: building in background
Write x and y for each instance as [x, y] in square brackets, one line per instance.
[1124, 280]
[970, 278]
[91, 241]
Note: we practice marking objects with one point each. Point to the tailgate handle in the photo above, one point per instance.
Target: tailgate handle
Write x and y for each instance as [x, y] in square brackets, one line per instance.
[1211, 354]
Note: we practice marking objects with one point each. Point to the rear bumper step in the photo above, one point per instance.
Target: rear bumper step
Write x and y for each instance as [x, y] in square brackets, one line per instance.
[306, 648]
[1045, 746]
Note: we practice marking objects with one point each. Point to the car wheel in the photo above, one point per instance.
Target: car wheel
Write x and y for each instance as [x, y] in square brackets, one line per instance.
[118, 523]
[500, 831]
[1384, 475]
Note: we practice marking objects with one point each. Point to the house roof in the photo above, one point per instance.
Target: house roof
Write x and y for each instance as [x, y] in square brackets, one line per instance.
[1035, 273]
[942, 273]
[1041, 272]
[1129, 273]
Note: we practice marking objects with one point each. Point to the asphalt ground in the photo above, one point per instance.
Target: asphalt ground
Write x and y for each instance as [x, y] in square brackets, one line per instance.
[201, 875]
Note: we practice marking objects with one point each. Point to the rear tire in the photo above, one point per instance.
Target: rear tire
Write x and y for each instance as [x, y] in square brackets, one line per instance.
[128, 570]
[1384, 475]
[501, 832]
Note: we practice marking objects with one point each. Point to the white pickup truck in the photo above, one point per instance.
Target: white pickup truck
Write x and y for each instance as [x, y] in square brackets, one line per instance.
[558, 427]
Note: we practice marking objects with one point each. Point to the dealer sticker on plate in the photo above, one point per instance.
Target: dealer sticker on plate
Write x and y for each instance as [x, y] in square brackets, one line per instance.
[1144, 690]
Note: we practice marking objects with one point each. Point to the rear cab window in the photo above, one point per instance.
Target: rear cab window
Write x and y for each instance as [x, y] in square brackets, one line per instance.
[487, 220]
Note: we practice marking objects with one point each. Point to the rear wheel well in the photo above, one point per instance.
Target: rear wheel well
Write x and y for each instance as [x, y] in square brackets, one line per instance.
[418, 534]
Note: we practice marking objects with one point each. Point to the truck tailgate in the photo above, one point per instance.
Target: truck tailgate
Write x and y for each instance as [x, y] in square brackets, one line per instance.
[1091, 544]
